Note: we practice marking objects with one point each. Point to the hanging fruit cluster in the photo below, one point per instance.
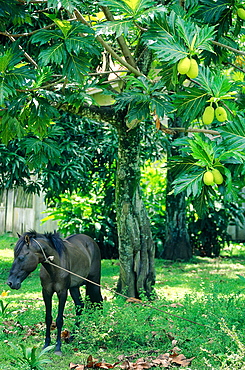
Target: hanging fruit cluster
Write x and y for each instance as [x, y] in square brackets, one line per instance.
[209, 114]
[212, 177]
[241, 13]
[188, 66]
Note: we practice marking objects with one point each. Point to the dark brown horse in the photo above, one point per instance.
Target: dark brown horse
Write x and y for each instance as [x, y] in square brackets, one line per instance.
[77, 253]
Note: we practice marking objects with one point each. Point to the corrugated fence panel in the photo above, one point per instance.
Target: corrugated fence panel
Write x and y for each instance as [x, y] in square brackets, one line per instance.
[2, 220]
[23, 220]
[20, 212]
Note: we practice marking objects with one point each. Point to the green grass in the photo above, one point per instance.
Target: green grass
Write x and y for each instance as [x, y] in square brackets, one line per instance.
[206, 291]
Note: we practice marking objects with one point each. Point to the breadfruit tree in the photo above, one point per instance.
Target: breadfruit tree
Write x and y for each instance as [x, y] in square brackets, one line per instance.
[148, 60]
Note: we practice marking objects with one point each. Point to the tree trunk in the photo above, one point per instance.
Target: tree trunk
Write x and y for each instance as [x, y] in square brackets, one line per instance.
[136, 247]
[177, 244]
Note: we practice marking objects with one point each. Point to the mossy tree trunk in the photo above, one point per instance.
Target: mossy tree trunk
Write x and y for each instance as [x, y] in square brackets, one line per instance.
[177, 244]
[135, 244]
[136, 247]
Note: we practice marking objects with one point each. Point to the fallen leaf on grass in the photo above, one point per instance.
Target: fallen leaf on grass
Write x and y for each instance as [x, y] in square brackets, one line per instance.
[76, 366]
[181, 360]
[66, 335]
[166, 360]
[133, 300]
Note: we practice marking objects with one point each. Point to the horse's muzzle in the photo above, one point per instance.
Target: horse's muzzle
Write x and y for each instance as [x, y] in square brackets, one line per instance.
[14, 284]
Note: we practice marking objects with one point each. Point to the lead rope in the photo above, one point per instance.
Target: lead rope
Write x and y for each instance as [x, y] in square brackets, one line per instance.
[50, 258]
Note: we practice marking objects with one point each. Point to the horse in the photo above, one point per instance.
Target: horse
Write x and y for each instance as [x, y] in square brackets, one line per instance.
[77, 253]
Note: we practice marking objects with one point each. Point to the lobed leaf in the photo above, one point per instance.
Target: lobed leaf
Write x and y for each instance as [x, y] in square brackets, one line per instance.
[169, 49]
[189, 103]
[44, 36]
[118, 27]
[69, 5]
[5, 91]
[129, 7]
[53, 54]
[10, 128]
[76, 66]
[190, 182]
[234, 134]
[77, 43]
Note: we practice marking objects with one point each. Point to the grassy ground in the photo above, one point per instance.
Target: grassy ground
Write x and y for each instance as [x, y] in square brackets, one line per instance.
[207, 292]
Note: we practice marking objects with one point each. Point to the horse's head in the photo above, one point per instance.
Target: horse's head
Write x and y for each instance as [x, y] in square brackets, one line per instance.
[26, 259]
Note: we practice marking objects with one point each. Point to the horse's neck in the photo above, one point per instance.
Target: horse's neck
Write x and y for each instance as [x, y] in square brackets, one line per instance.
[48, 252]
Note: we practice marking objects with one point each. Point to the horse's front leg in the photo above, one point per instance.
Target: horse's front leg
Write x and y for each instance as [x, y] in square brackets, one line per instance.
[47, 297]
[59, 320]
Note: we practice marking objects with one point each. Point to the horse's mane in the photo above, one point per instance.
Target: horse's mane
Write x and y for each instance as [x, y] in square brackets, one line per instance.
[54, 240]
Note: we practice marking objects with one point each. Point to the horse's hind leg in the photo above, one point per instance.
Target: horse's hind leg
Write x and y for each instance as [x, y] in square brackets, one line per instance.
[77, 299]
[94, 293]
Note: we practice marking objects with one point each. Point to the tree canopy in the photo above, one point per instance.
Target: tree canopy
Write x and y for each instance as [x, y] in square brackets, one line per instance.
[55, 54]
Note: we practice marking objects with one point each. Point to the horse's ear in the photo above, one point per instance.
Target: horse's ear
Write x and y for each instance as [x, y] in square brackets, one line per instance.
[27, 239]
[18, 235]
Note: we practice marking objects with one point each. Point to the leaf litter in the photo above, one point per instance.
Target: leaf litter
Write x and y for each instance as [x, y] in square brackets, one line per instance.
[166, 360]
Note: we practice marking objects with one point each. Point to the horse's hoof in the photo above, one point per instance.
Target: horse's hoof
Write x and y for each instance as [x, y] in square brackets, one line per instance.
[58, 353]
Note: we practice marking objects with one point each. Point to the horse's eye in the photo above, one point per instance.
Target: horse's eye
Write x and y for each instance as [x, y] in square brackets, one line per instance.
[21, 258]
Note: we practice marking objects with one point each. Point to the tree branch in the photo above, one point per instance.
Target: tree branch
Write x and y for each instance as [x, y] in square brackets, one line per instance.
[105, 114]
[32, 1]
[42, 87]
[108, 48]
[172, 130]
[28, 57]
[16, 35]
[121, 41]
[228, 47]
[236, 67]
[107, 73]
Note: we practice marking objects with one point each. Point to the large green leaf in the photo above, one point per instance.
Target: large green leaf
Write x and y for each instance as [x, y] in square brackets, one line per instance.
[190, 182]
[40, 152]
[5, 90]
[118, 28]
[44, 36]
[161, 29]
[53, 54]
[151, 14]
[204, 38]
[162, 38]
[74, 44]
[20, 75]
[5, 60]
[138, 111]
[194, 36]
[69, 5]
[221, 85]
[64, 25]
[183, 164]
[205, 79]
[213, 10]
[160, 105]
[76, 66]
[202, 150]
[129, 7]
[169, 49]
[203, 202]
[234, 134]
[189, 103]
[172, 38]
[10, 128]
